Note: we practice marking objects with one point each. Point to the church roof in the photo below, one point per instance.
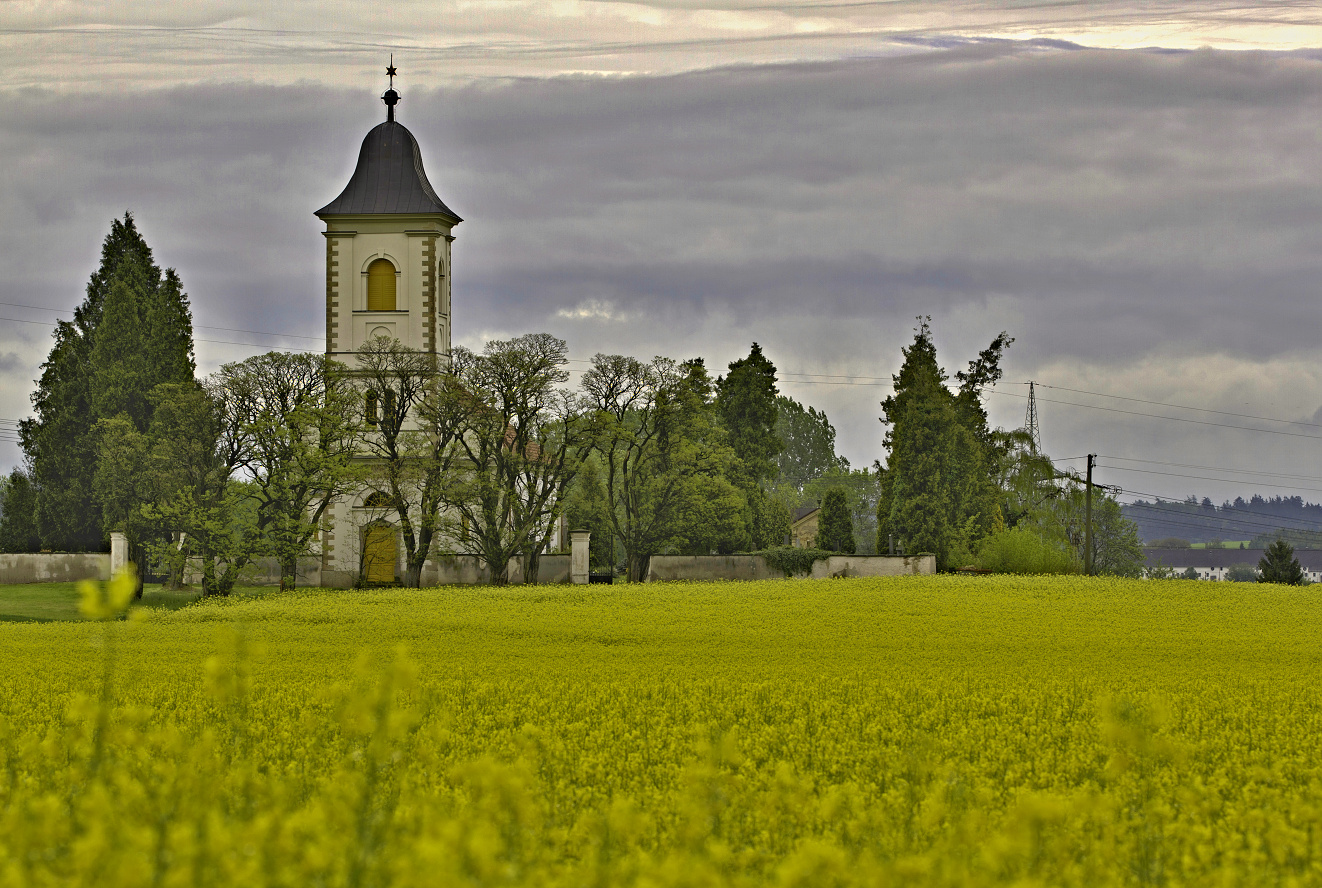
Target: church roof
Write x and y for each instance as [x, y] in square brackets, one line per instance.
[388, 179]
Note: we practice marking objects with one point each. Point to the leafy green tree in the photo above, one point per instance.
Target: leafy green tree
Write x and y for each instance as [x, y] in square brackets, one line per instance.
[1242, 573]
[807, 444]
[927, 446]
[1022, 550]
[863, 488]
[1117, 550]
[301, 428]
[769, 518]
[521, 439]
[1278, 565]
[835, 526]
[938, 491]
[746, 402]
[631, 405]
[18, 514]
[936, 494]
[94, 373]
[197, 444]
[587, 507]
[123, 481]
[718, 504]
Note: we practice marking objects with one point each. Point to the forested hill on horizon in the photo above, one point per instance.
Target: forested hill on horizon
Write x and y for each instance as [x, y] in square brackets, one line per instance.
[1203, 521]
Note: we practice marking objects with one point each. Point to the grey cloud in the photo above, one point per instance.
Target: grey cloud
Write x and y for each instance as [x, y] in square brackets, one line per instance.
[1102, 206]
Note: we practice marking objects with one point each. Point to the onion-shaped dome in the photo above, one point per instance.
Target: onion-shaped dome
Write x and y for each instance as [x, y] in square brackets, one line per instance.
[389, 179]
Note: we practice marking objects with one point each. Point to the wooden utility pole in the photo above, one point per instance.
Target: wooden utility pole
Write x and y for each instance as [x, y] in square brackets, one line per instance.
[1087, 519]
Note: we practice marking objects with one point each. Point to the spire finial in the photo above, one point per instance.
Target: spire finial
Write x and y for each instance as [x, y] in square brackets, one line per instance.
[391, 98]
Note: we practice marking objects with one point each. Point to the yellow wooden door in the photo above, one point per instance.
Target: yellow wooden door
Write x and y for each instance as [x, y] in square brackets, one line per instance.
[379, 555]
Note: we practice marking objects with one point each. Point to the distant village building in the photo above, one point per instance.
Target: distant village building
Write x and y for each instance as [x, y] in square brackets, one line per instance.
[803, 527]
[388, 248]
[1214, 564]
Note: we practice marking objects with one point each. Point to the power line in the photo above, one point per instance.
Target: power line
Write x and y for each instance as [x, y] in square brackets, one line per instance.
[195, 339]
[1175, 406]
[1209, 478]
[1201, 422]
[1157, 462]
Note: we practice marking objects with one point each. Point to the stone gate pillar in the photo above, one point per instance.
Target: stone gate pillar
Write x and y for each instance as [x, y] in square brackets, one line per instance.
[119, 553]
[578, 555]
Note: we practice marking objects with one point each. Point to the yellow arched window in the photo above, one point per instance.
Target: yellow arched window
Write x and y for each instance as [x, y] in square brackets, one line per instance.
[381, 285]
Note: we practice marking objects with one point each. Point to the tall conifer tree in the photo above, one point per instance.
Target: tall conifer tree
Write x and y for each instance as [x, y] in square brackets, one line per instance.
[746, 401]
[133, 331]
[936, 490]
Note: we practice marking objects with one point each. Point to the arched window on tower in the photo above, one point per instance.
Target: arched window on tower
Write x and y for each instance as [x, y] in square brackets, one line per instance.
[381, 285]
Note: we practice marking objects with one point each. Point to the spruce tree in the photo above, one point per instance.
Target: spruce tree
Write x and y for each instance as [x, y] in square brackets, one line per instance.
[18, 514]
[936, 493]
[98, 370]
[746, 401]
[1278, 565]
[835, 526]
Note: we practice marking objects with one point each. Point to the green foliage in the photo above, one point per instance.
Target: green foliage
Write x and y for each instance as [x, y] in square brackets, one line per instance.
[1278, 565]
[1190, 573]
[519, 441]
[808, 444]
[196, 447]
[1242, 573]
[746, 402]
[587, 507]
[299, 424]
[715, 496]
[666, 461]
[792, 561]
[18, 514]
[1170, 543]
[938, 492]
[131, 332]
[835, 528]
[769, 518]
[1019, 550]
[863, 491]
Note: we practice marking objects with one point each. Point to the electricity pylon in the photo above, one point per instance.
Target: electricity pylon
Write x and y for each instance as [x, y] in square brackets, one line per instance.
[1030, 421]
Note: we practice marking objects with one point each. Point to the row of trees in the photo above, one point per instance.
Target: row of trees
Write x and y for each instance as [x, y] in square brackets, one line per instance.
[484, 455]
[974, 495]
[480, 457]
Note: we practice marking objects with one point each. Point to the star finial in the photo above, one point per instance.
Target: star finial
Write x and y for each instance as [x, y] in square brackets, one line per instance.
[391, 98]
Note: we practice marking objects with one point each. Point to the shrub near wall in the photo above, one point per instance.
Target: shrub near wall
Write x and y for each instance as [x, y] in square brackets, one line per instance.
[1020, 551]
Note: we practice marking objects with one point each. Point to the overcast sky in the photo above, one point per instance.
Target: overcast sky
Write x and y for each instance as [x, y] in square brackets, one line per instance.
[1133, 191]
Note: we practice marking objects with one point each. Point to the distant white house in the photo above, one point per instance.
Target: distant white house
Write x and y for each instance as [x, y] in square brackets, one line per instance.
[1214, 564]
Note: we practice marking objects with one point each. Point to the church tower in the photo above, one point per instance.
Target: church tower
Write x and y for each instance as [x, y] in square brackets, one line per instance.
[388, 240]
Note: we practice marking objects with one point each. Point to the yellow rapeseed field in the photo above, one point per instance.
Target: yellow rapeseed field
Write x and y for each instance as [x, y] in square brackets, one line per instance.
[911, 731]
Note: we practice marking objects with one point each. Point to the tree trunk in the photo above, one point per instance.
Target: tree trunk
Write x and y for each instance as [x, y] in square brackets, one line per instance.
[175, 581]
[138, 558]
[532, 565]
[288, 573]
[417, 559]
[637, 568]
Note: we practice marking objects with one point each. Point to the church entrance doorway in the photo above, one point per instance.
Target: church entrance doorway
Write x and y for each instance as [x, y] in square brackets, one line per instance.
[379, 554]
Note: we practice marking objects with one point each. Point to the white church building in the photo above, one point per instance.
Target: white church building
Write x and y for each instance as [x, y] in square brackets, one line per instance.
[388, 246]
